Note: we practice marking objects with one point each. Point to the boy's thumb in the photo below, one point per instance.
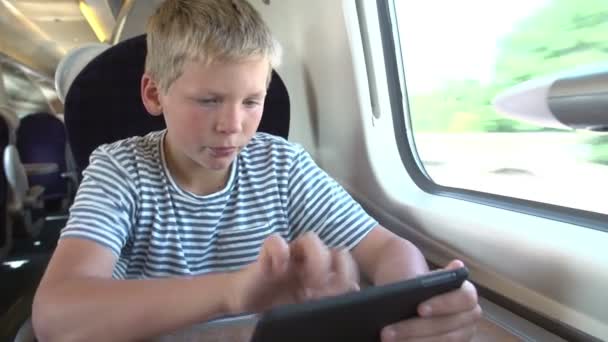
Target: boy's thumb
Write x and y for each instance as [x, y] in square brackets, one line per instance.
[274, 256]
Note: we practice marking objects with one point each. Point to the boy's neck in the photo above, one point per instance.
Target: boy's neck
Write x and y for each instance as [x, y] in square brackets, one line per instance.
[191, 177]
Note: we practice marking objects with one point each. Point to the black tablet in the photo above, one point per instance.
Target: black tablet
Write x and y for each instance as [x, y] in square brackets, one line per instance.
[356, 316]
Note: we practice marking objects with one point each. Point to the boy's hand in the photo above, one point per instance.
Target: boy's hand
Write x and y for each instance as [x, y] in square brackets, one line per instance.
[451, 316]
[320, 271]
[290, 273]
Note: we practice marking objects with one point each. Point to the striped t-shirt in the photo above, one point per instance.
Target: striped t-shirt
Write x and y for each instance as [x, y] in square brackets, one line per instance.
[129, 202]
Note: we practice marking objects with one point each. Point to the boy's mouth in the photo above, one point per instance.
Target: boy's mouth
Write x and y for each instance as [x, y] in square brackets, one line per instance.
[219, 152]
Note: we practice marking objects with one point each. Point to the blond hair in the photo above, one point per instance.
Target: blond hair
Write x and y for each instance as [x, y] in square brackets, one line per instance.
[205, 31]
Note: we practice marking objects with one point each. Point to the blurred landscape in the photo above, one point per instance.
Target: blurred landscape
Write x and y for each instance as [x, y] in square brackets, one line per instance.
[546, 167]
[465, 143]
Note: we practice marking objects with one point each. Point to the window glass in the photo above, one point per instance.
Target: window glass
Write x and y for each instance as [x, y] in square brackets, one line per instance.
[459, 55]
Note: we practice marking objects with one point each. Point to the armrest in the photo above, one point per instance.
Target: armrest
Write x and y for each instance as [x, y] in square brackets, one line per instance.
[73, 182]
[70, 175]
[33, 197]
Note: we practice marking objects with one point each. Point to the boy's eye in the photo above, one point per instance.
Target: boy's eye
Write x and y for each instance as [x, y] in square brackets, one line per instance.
[208, 101]
[251, 103]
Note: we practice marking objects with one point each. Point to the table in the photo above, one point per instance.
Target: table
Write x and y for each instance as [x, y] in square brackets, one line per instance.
[235, 329]
[240, 329]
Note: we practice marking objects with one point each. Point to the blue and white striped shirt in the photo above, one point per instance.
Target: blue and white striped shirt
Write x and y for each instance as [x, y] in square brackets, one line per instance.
[129, 203]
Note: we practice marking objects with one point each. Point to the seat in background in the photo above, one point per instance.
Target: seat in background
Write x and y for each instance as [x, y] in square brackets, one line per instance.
[25, 206]
[41, 139]
[103, 104]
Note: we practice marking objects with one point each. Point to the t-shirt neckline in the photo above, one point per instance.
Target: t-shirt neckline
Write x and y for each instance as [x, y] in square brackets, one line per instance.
[180, 190]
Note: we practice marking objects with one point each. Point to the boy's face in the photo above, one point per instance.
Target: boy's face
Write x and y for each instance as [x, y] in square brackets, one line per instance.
[212, 111]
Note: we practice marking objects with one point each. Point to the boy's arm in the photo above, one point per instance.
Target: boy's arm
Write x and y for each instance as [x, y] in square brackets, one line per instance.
[78, 300]
[384, 258]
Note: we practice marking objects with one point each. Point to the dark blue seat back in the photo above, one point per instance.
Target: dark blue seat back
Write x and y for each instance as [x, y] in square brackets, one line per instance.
[42, 138]
[104, 104]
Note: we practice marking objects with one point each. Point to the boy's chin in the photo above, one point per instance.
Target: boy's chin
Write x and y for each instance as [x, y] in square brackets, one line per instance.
[217, 166]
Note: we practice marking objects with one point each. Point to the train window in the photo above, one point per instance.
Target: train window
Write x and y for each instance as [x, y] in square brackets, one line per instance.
[458, 57]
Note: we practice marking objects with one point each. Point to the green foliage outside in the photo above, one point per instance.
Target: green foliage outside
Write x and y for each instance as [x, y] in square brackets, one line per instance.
[599, 149]
[563, 35]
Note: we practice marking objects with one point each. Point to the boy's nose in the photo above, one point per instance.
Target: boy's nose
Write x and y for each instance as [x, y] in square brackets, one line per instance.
[230, 120]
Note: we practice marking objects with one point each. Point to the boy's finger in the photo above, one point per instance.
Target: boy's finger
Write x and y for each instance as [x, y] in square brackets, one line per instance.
[345, 268]
[454, 264]
[274, 255]
[312, 259]
[463, 299]
[433, 328]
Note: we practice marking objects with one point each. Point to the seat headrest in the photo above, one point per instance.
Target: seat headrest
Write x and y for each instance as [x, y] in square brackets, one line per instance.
[104, 103]
[72, 64]
[43, 130]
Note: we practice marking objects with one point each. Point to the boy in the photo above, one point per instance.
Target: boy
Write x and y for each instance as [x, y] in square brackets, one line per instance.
[208, 218]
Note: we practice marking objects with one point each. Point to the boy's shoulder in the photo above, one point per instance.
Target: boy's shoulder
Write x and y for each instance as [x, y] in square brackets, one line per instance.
[134, 145]
[132, 153]
[129, 160]
[265, 142]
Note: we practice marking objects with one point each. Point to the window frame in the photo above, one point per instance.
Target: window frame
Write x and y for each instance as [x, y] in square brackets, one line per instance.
[398, 98]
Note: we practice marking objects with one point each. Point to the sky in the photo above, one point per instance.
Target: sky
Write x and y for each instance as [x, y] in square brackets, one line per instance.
[449, 39]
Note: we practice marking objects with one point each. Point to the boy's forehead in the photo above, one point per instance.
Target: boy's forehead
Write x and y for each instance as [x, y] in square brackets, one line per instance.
[207, 61]
[255, 65]
[210, 76]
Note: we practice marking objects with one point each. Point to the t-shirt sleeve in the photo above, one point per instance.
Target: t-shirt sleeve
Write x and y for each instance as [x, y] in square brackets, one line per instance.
[318, 203]
[104, 205]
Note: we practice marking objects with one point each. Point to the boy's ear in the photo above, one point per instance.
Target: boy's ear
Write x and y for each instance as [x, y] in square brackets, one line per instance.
[150, 95]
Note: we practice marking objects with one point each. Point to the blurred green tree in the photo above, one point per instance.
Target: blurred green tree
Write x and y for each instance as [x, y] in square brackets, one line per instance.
[562, 35]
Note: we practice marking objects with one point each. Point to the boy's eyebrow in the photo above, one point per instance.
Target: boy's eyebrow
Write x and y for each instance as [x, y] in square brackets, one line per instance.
[203, 94]
[258, 94]
[218, 94]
